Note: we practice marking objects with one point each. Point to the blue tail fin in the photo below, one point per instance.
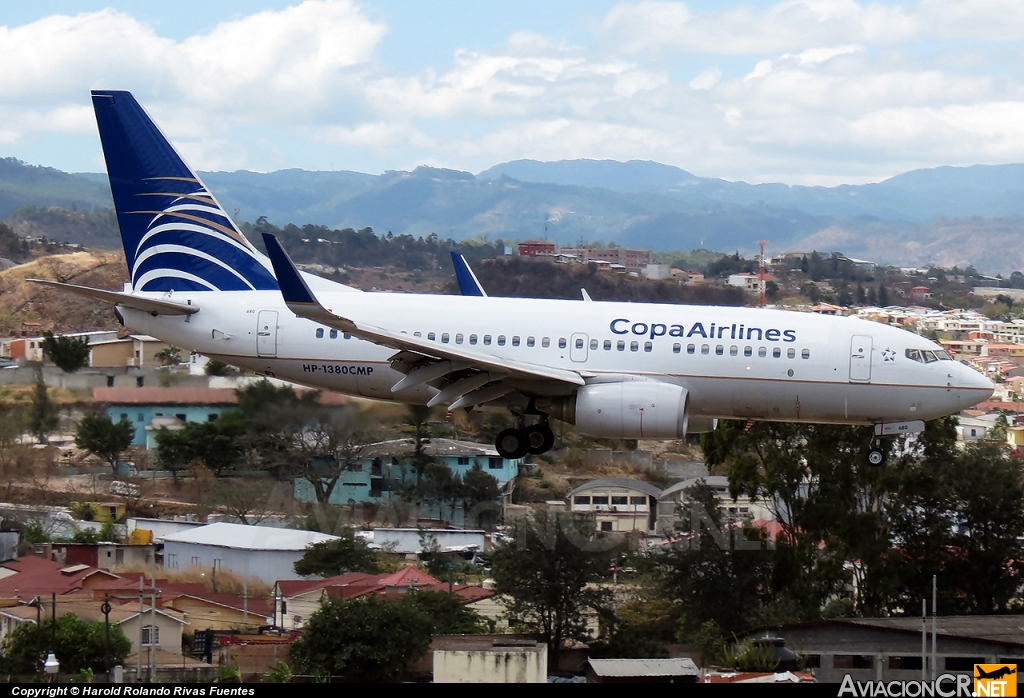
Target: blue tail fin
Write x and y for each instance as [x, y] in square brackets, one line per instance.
[175, 234]
[469, 285]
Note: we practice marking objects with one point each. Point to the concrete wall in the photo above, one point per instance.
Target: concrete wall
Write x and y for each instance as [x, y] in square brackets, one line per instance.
[87, 379]
[523, 664]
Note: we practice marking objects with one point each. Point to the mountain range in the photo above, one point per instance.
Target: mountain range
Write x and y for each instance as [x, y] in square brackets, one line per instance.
[946, 216]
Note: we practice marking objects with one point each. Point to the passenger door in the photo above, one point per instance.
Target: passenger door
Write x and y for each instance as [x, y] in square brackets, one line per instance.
[266, 333]
[860, 359]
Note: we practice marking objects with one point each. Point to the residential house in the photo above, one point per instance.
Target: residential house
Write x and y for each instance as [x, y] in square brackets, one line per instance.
[741, 509]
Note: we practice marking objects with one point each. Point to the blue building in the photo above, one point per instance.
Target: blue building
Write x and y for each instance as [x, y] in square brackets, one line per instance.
[385, 470]
[167, 407]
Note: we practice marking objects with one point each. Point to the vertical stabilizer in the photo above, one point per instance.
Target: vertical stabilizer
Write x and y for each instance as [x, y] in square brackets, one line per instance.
[175, 234]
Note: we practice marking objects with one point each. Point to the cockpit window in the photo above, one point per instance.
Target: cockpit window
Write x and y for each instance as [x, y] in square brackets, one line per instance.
[914, 355]
[943, 356]
[929, 357]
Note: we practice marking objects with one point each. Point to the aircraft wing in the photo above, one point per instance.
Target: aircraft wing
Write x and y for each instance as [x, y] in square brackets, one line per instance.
[436, 360]
[147, 305]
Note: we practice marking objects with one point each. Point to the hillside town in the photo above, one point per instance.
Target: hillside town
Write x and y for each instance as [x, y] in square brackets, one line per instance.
[213, 520]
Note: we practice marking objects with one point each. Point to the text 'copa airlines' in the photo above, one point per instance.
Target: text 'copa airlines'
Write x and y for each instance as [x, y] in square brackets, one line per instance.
[734, 331]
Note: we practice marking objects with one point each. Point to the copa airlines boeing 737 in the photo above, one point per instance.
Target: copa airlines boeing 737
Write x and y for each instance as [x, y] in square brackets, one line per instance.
[622, 370]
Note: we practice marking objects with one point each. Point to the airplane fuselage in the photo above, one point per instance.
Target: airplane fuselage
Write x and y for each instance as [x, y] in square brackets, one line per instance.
[748, 363]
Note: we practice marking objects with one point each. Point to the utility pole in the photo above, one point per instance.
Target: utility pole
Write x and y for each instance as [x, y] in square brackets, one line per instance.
[105, 610]
[142, 610]
[935, 604]
[760, 275]
[53, 620]
[924, 638]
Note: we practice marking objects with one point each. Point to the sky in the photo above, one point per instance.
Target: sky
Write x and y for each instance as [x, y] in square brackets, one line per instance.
[801, 91]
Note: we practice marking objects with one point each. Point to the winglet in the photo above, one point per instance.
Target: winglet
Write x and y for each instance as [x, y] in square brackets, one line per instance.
[297, 296]
[586, 296]
[469, 285]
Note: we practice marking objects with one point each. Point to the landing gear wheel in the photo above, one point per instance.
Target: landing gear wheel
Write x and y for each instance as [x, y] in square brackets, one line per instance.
[539, 439]
[512, 444]
[876, 457]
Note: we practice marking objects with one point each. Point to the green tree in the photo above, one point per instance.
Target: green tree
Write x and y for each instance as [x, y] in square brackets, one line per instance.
[100, 436]
[448, 614]
[68, 353]
[218, 445]
[214, 367]
[545, 577]
[169, 356]
[365, 640]
[334, 557]
[43, 416]
[78, 646]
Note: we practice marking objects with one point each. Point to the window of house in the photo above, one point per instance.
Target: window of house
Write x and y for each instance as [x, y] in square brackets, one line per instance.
[140, 381]
[495, 463]
[110, 381]
[853, 661]
[140, 417]
[124, 416]
[963, 663]
[620, 501]
[606, 526]
[905, 663]
[600, 501]
[182, 416]
[212, 417]
[581, 501]
[319, 332]
[638, 501]
[150, 634]
[463, 460]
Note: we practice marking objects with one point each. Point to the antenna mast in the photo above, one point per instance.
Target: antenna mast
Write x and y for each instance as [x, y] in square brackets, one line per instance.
[760, 275]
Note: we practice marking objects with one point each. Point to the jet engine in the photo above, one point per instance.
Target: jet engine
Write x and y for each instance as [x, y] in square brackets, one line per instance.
[701, 425]
[627, 410]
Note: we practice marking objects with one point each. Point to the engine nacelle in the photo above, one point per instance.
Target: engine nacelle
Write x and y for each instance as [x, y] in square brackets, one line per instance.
[701, 425]
[628, 410]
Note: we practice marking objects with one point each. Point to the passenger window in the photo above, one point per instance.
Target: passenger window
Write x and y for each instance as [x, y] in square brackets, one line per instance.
[431, 336]
[704, 349]
[334, 334]
[791, 353]
[346, 336]
[634, 346]
[593, 344]
[648, 346]
[621, 346]
[561, 342]
[579, 342]
[319, 332]
[531, 341]
[748, 351]
[690, 348]
[546, 342]
[444, 338]
[487, 339]
[762, 352]
[719, 350]
[805, 354]
[472, 339]
[417, 334]
[734, 350]
[607, 345]
[458, 338]
[515, 340]
[777, 353]
[501, 340]
[676, 348]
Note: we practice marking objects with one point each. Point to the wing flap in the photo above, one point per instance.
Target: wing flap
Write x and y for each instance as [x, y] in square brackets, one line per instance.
[147, 305]
[301, 301]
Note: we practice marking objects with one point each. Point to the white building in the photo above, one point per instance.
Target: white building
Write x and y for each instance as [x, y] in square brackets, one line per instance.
[269, 554]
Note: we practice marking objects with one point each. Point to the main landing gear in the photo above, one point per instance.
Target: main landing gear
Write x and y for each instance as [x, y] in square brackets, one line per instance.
[519, 441]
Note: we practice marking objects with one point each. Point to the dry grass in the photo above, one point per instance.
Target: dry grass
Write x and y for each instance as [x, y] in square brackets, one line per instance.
[227, 582]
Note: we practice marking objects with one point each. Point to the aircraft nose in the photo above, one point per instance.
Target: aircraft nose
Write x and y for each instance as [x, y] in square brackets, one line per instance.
[974, 387]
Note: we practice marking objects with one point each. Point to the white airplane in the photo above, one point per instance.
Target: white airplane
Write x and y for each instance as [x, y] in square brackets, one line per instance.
[616, 370]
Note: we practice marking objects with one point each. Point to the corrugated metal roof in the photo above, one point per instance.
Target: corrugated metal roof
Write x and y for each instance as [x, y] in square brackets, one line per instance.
[710, 481]
[435, 447]
[237, 536]
[639, 485]
[644, 667]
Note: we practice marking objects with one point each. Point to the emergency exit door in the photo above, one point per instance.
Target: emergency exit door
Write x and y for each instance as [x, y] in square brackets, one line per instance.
[266, 333]
[860, 359]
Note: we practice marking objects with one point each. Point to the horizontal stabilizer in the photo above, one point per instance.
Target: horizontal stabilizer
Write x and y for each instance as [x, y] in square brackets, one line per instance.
[127, 300]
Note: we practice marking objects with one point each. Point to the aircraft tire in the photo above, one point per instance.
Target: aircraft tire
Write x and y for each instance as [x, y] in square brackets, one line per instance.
[539, 439]
[876, 457]
[512, 444]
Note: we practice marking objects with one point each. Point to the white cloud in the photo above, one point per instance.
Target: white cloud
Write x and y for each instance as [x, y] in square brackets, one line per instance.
[707, 79]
